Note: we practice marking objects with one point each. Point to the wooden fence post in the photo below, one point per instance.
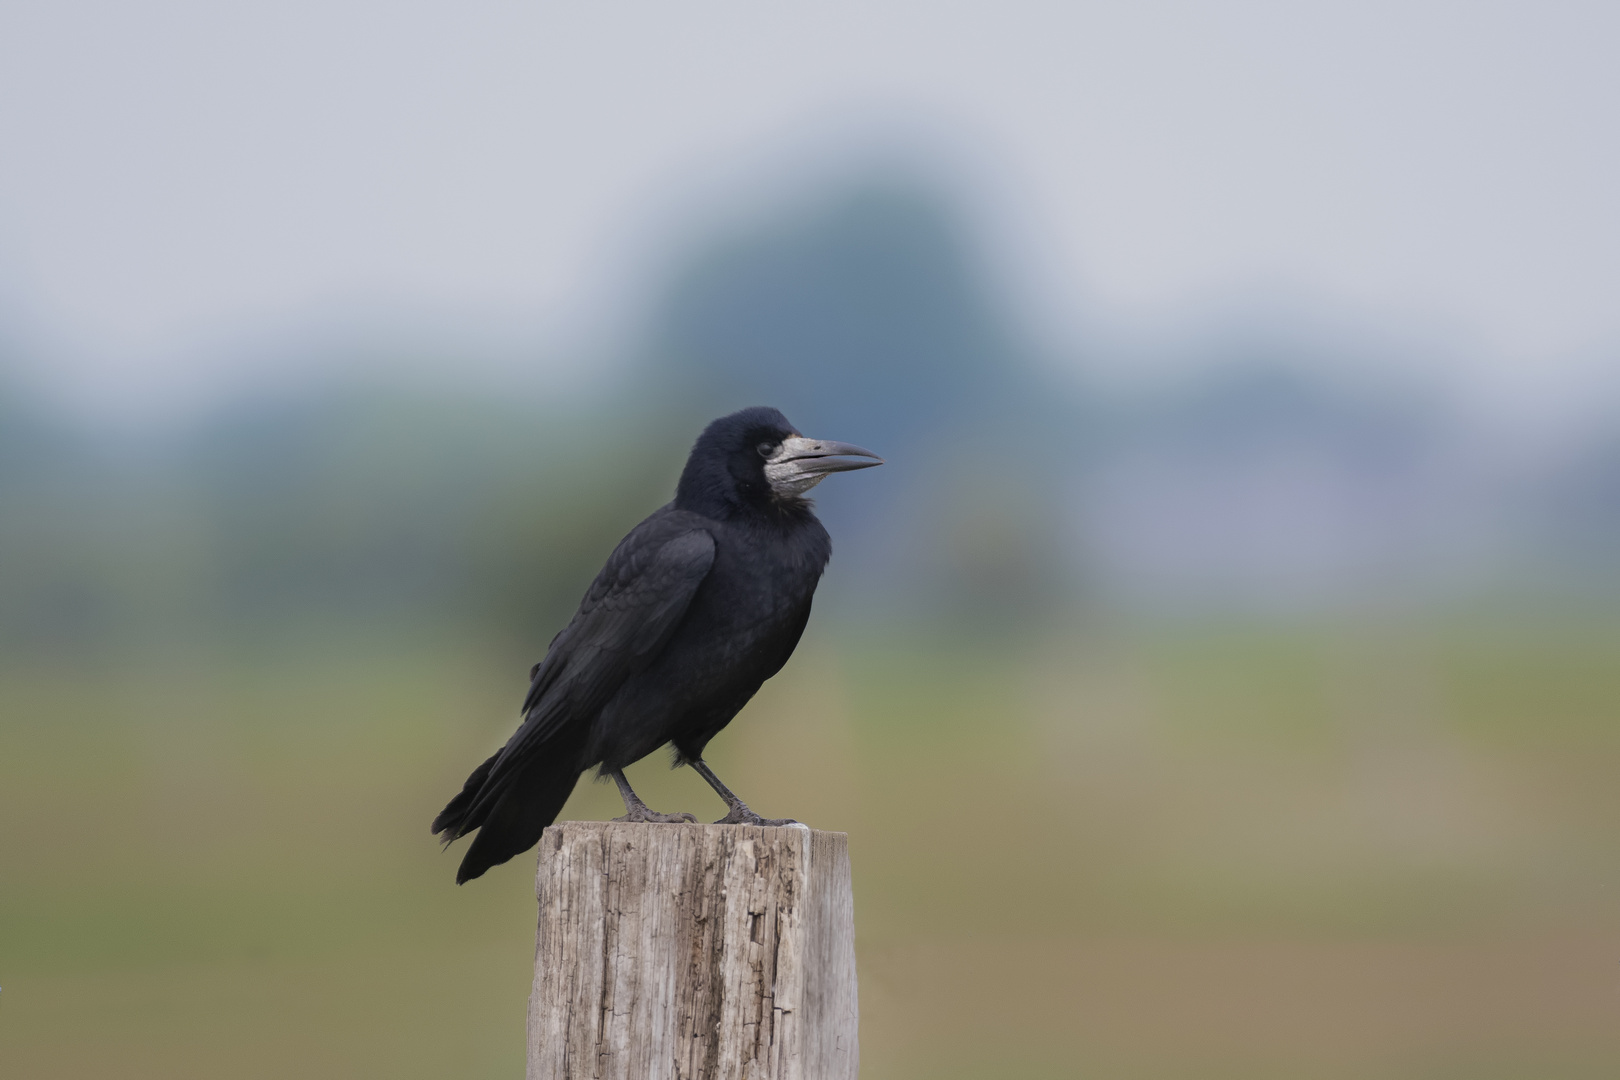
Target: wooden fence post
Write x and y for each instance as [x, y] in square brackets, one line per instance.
[693, 952]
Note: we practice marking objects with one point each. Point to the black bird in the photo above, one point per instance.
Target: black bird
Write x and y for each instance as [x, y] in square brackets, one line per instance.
[695, 609]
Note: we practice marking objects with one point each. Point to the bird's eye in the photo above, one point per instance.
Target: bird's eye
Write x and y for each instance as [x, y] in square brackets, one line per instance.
[766, 449]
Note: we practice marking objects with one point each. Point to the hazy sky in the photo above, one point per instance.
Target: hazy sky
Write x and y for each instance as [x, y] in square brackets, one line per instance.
[180, 175]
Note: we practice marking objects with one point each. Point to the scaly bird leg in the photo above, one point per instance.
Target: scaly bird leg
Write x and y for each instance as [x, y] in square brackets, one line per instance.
[738, 812]
[636, 810]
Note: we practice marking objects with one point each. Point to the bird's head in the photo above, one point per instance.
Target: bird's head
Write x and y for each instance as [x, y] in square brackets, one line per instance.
[756, 459]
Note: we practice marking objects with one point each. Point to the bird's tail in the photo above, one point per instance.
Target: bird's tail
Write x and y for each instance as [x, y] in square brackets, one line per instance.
[509, 806]
[452, 822]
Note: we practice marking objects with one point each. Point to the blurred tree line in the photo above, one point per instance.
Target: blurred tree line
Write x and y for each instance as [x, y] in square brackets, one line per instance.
[1011, 493]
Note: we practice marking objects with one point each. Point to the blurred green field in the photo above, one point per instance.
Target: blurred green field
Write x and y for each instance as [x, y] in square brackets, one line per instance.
[1293, 852]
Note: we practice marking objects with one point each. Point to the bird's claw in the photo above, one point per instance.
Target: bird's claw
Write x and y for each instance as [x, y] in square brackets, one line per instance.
[654, 817]
[741, 815]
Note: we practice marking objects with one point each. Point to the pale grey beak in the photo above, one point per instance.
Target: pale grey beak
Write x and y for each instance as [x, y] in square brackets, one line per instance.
[800, 464]
[824, 455]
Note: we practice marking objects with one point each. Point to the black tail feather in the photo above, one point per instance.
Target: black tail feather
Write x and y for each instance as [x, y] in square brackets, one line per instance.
[510, 807]
[452, 822]
[514, 823]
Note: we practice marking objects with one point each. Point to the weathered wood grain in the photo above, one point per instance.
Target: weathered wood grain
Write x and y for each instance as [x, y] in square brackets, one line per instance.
[693, 952]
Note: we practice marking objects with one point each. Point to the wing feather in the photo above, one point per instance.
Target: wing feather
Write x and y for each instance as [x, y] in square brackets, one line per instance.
[626, 618]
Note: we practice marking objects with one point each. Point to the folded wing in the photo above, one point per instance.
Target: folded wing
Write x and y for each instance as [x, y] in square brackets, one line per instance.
[625, 620]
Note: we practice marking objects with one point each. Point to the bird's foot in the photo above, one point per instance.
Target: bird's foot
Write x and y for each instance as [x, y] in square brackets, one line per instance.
[643, 814]
[741, 815]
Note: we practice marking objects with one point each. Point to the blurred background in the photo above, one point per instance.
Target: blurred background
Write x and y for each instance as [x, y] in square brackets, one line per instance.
[1222, 679]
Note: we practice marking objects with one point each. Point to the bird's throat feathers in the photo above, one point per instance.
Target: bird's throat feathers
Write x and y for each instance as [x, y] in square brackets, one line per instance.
[715, 498]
